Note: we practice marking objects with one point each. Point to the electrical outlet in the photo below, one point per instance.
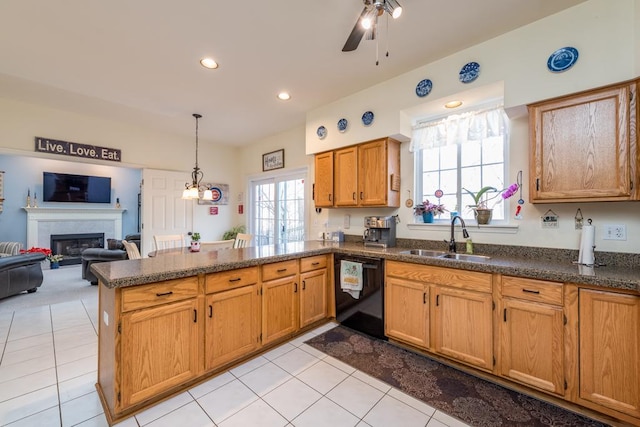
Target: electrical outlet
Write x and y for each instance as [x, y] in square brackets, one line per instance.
[615, 232]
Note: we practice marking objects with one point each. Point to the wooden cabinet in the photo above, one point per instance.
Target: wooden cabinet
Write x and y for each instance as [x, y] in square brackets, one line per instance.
[406, 313]
[323, 187]
[531, 332]
[314, 279]
[584, 146]
[367, 174]
[159, 346]
[279, 300]
[609, 350]
[232, 314]
[458, 319]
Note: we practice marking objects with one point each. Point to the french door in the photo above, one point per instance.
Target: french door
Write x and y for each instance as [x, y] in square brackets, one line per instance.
[278, 209]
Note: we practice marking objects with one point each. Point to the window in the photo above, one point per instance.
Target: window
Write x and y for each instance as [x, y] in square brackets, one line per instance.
[278, 209]
[465, 151]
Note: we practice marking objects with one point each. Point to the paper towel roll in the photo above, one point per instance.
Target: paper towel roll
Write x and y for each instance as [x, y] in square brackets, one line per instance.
[586, 255]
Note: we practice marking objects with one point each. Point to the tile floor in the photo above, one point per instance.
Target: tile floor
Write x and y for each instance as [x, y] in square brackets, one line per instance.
[48, 370]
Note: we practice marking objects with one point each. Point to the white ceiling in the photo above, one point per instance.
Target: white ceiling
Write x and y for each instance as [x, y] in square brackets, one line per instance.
[137, 60]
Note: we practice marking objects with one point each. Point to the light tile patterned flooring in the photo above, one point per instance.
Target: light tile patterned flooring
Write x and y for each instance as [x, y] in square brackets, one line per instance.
[48, 371]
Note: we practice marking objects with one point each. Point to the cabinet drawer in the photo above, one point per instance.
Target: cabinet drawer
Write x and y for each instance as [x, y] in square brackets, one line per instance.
[462, 279]
[313, 263]
[144, 296]
[225, 280]
[279, 269]
[532, 290]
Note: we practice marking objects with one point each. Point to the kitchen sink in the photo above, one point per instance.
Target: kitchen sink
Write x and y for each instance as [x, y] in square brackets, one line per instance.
[424, 252]
[466, 257]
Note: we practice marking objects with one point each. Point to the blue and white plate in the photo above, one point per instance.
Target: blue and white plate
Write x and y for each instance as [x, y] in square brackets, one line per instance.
[469, 72]
[321, 132]
[562, 59]
[423, 88]
[342, 125]
[367, 118]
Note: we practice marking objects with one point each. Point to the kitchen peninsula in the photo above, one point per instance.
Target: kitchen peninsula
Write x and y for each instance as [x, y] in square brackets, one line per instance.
[162, 318]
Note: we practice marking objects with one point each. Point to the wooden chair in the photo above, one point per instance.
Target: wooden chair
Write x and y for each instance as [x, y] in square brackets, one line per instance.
[168, 241]
[242, 240]
[219, 244]
[132, 250]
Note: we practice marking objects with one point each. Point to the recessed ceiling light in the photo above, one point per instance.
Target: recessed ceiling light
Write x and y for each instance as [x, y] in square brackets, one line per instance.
[284, 96]
[209, 63]
[453, 104]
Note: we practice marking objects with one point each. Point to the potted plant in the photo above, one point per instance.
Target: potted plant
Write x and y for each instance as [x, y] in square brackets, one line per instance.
[481, 198]
[233, 232]
[54, 260]
[195, 242]
[428, 210]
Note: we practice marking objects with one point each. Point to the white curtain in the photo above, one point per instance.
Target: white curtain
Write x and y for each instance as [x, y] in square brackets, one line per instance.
[457, 129]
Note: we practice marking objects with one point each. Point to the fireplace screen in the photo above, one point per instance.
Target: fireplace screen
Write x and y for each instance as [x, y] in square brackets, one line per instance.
[71, 246]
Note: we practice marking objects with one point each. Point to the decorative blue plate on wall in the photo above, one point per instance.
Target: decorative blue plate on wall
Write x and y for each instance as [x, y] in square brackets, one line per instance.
[321, 132]
[469, 72]
[423, 88]
[367, 118]
[562, 59]
[342, 125]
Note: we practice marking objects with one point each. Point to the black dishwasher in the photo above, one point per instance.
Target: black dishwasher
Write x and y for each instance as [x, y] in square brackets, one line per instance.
[365, 313]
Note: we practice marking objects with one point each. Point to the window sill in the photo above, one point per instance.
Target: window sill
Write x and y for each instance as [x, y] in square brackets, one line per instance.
[496, 228]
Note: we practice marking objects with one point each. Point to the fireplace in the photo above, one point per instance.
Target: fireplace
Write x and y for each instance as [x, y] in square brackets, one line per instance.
[71, 245]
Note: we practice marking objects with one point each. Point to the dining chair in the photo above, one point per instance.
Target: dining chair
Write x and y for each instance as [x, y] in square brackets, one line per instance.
[168, 241]
[132, 250]
[219, 244]
[242, 240]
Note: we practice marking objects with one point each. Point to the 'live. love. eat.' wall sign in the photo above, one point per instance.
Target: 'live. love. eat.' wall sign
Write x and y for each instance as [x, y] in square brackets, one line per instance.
[75, 149]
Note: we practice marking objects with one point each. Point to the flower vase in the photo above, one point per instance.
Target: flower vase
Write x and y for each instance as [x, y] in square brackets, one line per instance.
[483, 216]
[195, 246]
[427, 217]
[54, 265]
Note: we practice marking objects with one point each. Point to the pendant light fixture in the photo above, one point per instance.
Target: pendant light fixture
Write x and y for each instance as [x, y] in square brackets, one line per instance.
[192, 190]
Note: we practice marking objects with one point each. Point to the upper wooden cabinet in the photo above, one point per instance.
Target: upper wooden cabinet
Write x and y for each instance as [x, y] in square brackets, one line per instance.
[584, 146]
[367, 174]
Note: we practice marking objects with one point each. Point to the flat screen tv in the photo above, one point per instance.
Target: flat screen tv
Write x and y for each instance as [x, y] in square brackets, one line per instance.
[64, 187]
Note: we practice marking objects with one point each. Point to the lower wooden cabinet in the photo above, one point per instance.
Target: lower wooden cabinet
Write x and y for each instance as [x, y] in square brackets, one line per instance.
[313, 296]
[406, 315]
[279, 302]
[463, 326]
[159, 349]
[531, 333]
[232, 325]
[609, 357]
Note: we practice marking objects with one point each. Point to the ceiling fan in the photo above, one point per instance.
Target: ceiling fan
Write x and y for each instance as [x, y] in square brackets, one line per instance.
[368, 20]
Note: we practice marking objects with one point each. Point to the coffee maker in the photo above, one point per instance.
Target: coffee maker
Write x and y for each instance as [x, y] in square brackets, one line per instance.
[379, 231]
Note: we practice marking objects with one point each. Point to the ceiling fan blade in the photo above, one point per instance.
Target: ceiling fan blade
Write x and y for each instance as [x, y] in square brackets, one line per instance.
[356, 34]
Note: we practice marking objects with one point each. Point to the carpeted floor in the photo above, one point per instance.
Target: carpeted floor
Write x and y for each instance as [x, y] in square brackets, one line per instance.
[475, 401]
[60, 285]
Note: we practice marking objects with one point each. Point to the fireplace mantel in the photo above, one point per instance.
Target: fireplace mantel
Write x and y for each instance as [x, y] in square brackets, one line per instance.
[42, 222]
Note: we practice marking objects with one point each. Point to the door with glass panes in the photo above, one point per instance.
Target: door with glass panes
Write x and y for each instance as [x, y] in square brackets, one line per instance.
[278, 209]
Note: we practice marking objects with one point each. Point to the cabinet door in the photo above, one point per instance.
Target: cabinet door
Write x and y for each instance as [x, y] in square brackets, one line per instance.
[372, 173]
[232, 325]
[159, 349]
[581, 147]
[463, 326]
[609, 334]
[406, 316]
[346, 177]
[531, 344]
[313, 296]
[279, 308]
[324, 180]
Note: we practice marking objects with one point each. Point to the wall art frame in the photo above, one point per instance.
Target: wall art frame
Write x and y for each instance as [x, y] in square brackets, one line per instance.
[273, 160]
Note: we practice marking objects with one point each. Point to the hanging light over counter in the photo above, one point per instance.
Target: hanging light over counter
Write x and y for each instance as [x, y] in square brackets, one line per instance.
[192, 190]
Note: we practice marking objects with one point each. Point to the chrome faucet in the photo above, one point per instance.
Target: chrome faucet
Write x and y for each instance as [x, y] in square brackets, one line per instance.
[465, 234]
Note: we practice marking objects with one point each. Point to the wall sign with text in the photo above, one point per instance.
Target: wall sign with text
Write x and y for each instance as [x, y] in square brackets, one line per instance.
[273, 160]
[75, 149]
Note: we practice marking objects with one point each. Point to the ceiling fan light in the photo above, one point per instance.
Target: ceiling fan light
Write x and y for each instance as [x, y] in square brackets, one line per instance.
[368, 21]
[393, 8]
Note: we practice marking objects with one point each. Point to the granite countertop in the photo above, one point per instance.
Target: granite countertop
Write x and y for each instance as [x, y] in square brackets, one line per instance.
[536, 263]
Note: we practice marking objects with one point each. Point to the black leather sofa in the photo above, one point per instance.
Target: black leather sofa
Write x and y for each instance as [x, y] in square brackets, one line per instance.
[19, 273]
[114, 252]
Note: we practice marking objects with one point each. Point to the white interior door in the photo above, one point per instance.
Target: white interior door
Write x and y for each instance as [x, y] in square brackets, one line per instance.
[163, 210]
